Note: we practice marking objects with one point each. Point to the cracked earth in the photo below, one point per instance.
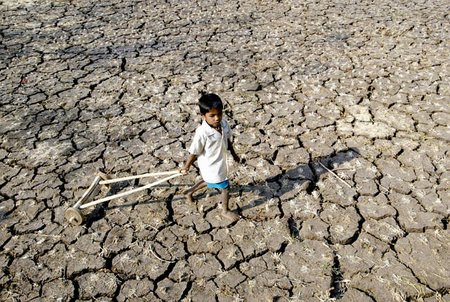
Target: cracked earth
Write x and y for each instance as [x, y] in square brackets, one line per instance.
[340, 109]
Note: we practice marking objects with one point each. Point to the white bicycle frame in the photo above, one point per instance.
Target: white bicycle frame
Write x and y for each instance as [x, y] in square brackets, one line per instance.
[74, 216]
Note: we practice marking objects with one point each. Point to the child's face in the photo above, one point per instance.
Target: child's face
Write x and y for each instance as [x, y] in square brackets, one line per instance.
[213, 117]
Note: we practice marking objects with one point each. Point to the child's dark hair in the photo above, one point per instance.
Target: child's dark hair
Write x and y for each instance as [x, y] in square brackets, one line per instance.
[209, 101]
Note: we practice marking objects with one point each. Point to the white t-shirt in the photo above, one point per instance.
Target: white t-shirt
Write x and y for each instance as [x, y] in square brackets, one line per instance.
[211, 149]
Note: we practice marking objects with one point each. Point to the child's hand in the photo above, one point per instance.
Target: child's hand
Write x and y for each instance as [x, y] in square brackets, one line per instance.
[188, 164]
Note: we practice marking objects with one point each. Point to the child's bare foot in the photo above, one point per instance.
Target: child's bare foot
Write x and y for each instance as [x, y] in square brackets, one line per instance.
[230, 215]
[188, 194]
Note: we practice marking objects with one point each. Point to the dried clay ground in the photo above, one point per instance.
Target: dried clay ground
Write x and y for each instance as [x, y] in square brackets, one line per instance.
[340, 109]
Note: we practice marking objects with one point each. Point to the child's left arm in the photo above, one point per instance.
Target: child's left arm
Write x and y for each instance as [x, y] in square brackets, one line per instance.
[233, 153]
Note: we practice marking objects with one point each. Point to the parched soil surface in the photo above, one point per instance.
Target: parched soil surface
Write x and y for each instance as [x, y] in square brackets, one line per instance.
[340, 109]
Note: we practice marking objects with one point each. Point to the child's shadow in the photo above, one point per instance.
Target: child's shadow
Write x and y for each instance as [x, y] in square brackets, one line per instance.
[304, 177]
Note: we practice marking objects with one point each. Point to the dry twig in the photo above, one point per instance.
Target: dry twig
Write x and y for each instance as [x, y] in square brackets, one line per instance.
[335, 175]
[157, 257]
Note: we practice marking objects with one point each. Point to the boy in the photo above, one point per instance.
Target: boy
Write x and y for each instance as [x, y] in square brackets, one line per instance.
[209, 146]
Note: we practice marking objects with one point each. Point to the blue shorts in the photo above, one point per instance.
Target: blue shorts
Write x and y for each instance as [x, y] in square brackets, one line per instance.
[221, 185]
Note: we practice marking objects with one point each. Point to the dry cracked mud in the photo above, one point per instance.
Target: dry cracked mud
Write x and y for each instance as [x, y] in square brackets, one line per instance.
[340, 109]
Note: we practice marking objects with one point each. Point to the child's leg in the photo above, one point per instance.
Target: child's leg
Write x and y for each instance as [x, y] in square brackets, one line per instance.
[225, 199]
[188, 193]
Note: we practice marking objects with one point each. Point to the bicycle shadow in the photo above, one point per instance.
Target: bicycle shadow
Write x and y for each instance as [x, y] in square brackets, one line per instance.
[303, 177]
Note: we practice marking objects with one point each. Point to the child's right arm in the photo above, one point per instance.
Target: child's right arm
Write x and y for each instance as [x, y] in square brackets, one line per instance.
[196, 147]
[188, 164]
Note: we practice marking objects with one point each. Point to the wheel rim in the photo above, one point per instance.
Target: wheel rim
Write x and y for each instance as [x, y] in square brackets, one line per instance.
[73, 216]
